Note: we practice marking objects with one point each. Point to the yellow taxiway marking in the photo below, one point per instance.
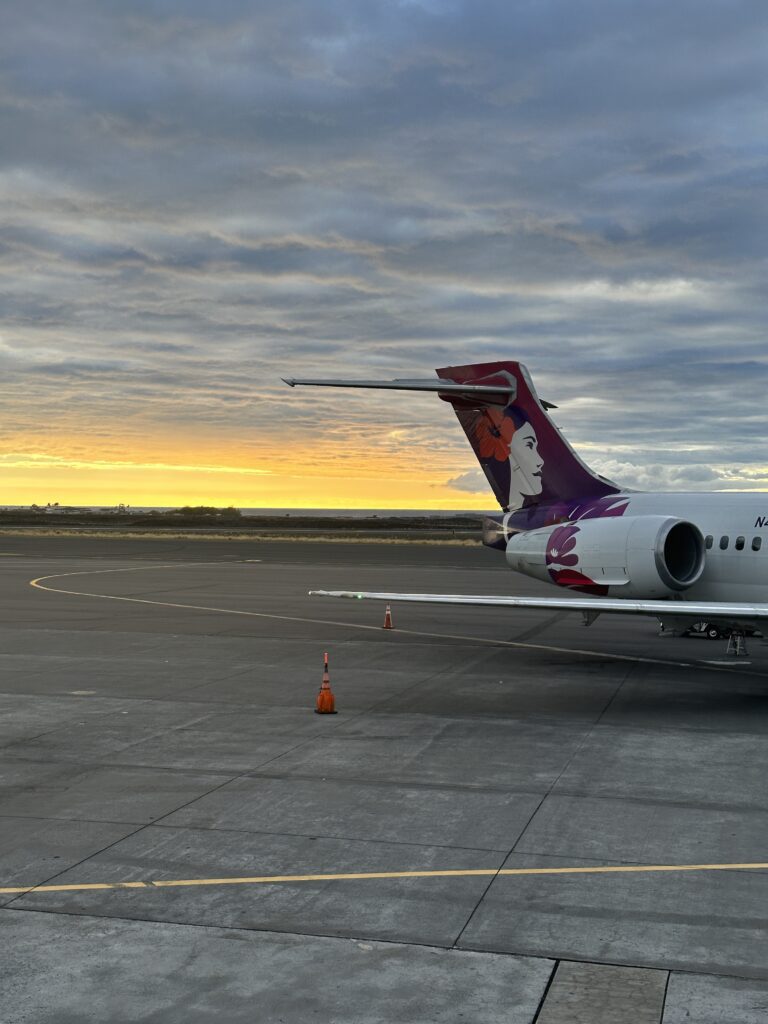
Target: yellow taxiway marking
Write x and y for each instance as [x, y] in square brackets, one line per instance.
[356, 876]
[39, 581]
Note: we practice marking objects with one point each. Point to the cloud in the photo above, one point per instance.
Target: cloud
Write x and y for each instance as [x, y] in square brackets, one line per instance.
[691, 477]
[473, 481]
[202, 198]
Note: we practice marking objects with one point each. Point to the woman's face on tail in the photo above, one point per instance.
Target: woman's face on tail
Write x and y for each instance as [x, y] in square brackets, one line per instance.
[524, 460]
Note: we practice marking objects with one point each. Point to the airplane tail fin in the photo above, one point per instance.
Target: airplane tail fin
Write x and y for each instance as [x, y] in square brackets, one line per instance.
[525, 458]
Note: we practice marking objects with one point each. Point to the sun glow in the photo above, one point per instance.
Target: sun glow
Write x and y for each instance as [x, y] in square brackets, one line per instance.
[246, 476]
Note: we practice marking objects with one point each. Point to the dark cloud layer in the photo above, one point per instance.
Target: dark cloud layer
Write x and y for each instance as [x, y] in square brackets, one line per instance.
[198, 198]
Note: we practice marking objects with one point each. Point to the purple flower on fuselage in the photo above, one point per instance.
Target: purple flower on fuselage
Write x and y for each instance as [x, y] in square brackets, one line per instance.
[560, 547]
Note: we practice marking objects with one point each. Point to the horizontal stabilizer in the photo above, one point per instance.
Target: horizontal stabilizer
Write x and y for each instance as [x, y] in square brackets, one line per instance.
[504, 393]
[691, 610]
[409, 385]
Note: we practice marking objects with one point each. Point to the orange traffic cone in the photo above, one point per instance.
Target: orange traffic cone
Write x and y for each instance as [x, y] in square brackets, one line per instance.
[388, 619]
[326, 705]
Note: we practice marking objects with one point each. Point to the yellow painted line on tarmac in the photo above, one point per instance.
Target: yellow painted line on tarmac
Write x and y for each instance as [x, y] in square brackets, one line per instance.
[356, 876]
[604, 655]
[83, 887]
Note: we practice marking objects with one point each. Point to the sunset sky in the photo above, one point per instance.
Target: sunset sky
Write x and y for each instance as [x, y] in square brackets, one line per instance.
[199, 198]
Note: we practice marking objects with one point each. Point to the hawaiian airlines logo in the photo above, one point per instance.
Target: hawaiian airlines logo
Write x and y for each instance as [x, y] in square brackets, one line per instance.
[511, 438]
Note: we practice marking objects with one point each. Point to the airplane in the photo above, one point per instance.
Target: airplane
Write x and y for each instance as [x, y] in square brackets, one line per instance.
[679, 557]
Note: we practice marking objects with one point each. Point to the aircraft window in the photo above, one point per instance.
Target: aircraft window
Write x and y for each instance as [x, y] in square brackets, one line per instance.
[739, 544]
[757, 543]
[708, 540]
[723, 543]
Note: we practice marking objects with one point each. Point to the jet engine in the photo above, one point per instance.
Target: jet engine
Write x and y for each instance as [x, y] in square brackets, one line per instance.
[647, 557]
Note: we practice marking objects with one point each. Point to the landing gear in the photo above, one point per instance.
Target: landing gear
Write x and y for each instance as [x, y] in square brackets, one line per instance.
[737, 644]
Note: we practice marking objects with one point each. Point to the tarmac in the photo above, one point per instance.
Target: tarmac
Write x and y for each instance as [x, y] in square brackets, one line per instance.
[512, 818]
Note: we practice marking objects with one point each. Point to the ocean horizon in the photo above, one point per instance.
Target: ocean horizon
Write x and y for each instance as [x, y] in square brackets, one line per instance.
[350, 513]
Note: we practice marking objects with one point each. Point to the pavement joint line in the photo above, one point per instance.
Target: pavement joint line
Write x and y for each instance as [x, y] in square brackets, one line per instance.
[37, 583]
[608, 869]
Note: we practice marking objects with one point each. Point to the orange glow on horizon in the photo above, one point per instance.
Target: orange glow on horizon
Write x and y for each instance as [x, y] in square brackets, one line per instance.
[384, 473]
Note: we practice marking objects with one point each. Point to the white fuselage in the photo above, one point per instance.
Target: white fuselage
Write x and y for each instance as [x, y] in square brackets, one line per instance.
[731, 573]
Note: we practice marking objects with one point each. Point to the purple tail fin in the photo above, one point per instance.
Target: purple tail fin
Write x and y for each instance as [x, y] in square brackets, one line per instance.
[521, 451]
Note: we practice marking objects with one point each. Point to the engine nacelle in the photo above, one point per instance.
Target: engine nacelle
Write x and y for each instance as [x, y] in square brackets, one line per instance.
[641, 556]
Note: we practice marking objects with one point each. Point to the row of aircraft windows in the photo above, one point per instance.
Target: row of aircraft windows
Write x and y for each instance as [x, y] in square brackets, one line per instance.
[757, 542]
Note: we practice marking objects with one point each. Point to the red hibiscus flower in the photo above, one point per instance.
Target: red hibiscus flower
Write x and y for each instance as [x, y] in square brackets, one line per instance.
[493, 433]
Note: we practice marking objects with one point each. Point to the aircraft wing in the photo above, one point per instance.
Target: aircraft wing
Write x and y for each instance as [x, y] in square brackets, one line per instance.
[692, 610]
